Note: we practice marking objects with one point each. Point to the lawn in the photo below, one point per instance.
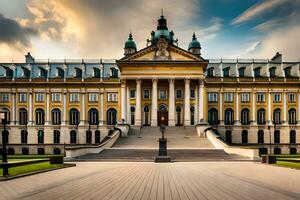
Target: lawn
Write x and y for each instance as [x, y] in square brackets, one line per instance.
[288, 164]
[13, 171]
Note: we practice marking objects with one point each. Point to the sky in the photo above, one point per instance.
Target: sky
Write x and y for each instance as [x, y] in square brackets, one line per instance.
[59, 29]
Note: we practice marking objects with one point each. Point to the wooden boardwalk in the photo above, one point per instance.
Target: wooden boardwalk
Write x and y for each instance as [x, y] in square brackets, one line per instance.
[205, 180]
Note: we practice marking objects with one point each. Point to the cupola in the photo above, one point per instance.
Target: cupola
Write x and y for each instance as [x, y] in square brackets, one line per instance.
[194, 46]
[130, 46]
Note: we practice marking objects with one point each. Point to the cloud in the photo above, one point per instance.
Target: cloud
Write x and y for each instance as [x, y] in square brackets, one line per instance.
[15, 35]
[258, 9]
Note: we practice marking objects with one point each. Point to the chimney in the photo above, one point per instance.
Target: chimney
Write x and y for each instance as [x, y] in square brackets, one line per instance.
[29, 58]
[277, 57]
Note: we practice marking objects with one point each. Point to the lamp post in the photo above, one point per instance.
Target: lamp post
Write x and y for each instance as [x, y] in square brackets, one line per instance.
[162, 152]
[3, 117]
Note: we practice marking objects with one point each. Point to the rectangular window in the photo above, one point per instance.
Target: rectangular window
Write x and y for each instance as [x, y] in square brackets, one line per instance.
[291, 97]
[277, 97]
[261, 97]
[93, 97]
[55, 97]
[22, 97]
[132, 94]
[146, 94]
[212, 97]
[112, 97]
[192, 94]
[39, 97]
[4, 97]
[245, 97]
[162, 94]
[74, 97]
[178, 94]
[228, 97]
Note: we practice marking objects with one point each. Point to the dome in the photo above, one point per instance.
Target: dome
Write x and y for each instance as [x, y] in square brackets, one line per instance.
[194, 43]
[130, 44]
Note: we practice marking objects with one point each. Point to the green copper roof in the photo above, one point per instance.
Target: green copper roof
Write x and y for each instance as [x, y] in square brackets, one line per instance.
[194, 43]
[130, 43]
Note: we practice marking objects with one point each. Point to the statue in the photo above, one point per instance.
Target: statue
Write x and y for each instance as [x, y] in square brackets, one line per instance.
[162, 53]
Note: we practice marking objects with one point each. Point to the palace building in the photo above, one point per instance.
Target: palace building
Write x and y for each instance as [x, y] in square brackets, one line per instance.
[51, 104]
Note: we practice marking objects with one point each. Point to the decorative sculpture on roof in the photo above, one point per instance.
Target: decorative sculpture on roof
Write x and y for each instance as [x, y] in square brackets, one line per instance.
[162, 52]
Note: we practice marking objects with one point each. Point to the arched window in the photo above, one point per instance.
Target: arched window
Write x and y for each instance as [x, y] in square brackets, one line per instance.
[192, 115]
[245, 116]
[97, 137]
[228, 116]
[41, 151]
[23, 116]
[210, 72]
[56, 151]
[163, 108]
[292, 137]
[213, 116]
[73, 137]
[60, 72]
[25, 151]
[228, 137]
[39, 116]
[24, 136]
[111, 116]
[277, 116]
[292, 116]
[261, 116]
[132, 115]
[277, 150]
[78, 73]
[5, 136]
[40, 136]
[277, 136]
[56, 116]
[88, 137]
[96, 72]
[260, 137]
[226, 72]
[56, 137]
[6, 115]
[93, 116]
[244, 137]
[74, 116]
[146, 115]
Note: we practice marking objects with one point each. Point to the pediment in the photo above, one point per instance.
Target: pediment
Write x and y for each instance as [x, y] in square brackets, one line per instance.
[162, 51]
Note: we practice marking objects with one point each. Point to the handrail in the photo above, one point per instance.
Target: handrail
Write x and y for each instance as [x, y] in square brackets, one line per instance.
[17, 164]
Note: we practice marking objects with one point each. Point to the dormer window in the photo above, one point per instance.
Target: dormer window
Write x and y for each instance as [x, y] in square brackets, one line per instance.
[43, 73]
[272, 72]
[26, 72]
[257, 72]
[78, 73]
[242, 72]
[96, 73]
[60, 73]
[114, 73]
[210, 72]
[287, 72]
[226, 72]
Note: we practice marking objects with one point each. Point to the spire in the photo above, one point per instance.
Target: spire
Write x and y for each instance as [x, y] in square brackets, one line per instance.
[162, 22]
[194, 36]
[162, 12]
[130, 36]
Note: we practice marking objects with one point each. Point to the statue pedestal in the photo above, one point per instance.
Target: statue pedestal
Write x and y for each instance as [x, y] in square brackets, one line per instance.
[162, 152]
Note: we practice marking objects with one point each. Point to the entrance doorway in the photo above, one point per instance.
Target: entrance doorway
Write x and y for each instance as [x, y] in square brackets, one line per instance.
[179, 118]
[162, 113]
[146, 116]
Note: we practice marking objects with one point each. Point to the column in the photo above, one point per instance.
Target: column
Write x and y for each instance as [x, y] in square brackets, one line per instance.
[123, 102]
[196, 121]
[101, 108]
[47, 108]
[284, 120]
[254, 108]
[171, 102]
[237, 109]
[14, 108]
[221, 108]
[128, 105]
[187, 109]
[154, 103]
[82, 113]
[30, 121]
[269, 120]
[138, 106]
[201, 101]
[298, 110]
[64, 114]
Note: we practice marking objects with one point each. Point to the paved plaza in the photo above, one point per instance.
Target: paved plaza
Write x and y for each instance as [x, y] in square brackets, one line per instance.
[129, 180]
